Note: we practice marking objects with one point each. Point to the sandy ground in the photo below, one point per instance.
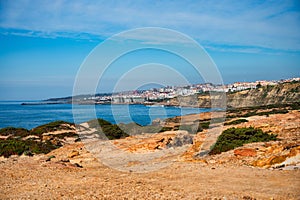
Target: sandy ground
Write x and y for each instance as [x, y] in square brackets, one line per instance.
[28, 178]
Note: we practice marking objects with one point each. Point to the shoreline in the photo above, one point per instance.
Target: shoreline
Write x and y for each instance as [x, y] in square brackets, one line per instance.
[99, 103]
[104, 113]
[228, 112]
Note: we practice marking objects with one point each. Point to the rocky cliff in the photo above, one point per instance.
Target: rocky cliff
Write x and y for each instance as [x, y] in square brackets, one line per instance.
[278, 94]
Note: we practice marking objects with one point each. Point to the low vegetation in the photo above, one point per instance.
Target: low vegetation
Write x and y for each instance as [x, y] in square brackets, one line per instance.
[111, 131]
[256, 112]
[13, 146]
[16, 132]
[50, 127]
[262, 110]
[135, 129]
[236, 137]
[18, 140]
[234, 122]
[191, 128]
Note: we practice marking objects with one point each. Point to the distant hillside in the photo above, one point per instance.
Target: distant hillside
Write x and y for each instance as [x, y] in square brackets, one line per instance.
[266, 95]
[69, 98]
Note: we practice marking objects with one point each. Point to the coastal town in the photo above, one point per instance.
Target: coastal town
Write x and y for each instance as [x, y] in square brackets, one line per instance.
[156, 95]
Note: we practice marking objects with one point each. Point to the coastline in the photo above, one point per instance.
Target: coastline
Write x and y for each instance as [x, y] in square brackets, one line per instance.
[72, 170]
[281, 93]
[31, 115]
[100, 103]
[275, 108]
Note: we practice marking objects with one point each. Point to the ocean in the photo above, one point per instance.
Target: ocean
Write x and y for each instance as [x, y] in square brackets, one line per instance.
[12, 113]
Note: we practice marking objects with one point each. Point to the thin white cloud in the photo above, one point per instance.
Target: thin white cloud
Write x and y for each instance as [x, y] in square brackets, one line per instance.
[268, 24]
[157, 37]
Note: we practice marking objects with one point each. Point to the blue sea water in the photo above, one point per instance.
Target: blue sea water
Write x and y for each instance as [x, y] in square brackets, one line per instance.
[12, 113]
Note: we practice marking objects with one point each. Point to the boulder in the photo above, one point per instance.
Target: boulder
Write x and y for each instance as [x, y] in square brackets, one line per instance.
[73, 154]
[268, 162]
[279, 158]
[180, 140]
[245, 152]
[156, 121]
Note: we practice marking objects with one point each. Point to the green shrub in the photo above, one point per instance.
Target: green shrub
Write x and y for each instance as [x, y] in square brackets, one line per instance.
[111, 131]
[14, 146]
[193, 128]
[204, 125]
[234, 122]
[249, 114]
[21, 132]
[50, 127]
[295, 106]
[235, 137]
[98, 122]
[163, 129]
[273, 111]
[17, 145]
[134, 128]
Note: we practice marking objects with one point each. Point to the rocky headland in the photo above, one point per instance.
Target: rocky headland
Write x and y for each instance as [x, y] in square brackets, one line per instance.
[267, 95]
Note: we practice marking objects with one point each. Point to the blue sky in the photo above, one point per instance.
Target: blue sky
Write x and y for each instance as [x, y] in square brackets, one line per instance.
[43, 43]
